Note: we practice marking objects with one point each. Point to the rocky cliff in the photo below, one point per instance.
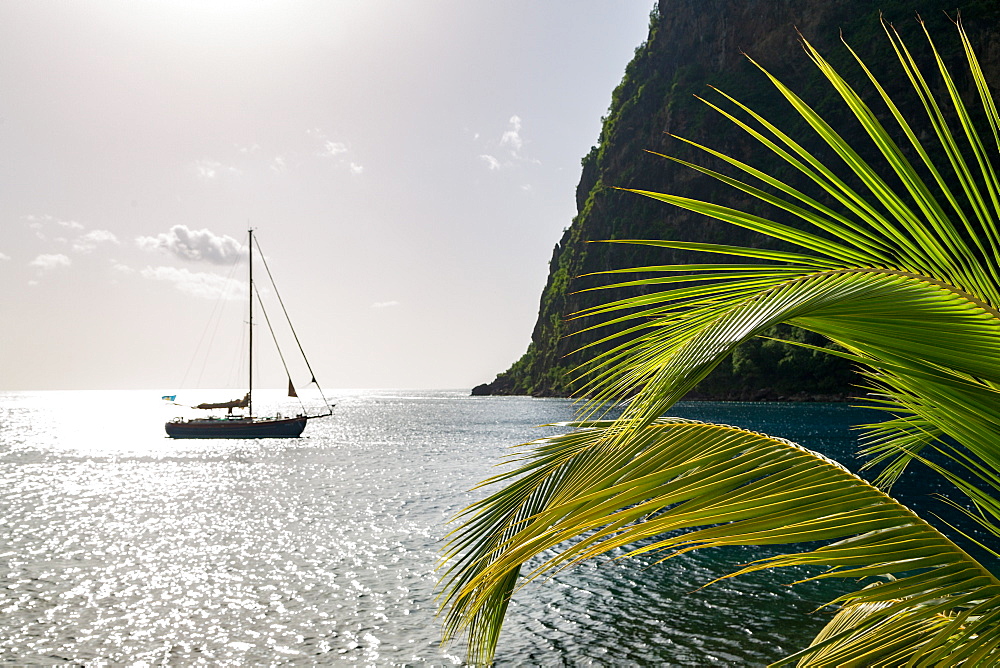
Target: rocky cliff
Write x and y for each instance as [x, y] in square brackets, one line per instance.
[693, 44]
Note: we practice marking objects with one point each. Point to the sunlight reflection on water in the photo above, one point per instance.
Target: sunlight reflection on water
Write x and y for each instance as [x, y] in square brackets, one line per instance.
[124, 546]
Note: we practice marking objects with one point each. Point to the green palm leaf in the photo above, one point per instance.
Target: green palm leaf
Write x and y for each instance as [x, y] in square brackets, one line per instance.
[899, 270]
[728, 487]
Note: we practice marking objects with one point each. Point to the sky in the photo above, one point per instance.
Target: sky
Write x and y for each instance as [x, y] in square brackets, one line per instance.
[407, 168]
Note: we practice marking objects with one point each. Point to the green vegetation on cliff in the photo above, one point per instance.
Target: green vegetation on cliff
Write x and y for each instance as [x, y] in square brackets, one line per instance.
[694, 44]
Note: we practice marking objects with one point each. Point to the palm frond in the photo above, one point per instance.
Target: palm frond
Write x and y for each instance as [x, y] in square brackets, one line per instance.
[909, 321]
[582, 496]
[840, 642]
[898, 262]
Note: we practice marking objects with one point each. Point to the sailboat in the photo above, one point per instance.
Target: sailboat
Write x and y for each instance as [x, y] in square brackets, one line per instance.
[246, 424]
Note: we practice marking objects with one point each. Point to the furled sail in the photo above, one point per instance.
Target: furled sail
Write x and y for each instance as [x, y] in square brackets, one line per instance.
[235, 403]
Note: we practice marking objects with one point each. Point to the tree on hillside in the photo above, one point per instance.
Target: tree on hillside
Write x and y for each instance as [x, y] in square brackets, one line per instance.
[898, 265]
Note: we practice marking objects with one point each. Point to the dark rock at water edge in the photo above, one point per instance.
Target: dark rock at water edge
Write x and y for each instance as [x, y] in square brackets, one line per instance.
[693, 44]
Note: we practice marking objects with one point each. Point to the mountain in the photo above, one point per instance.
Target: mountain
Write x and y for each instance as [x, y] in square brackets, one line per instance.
[694, 44]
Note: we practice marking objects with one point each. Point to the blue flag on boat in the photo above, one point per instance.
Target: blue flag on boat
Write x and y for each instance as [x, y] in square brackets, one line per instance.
[169, 397]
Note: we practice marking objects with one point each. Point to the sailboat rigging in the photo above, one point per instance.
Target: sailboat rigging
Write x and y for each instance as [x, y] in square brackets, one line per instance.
[248, 425]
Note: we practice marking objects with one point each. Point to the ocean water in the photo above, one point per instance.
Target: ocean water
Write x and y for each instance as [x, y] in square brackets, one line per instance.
[121, 546]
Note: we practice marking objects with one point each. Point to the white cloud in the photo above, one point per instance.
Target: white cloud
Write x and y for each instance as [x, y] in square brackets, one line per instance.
[388, 304]
[50, 261]
[97, 236]
[209, 170]
[39, 223]
[37, 227]
[510, 146]
[197, 284]
[337, 150]
[490, 161]
[196, 245]
[90, 240]
[331, 148]
[120, 268]
[279, 165]
[512, 137]
[4, 256]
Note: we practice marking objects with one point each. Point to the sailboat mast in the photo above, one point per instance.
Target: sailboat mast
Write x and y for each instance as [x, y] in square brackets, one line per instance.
[250, 294]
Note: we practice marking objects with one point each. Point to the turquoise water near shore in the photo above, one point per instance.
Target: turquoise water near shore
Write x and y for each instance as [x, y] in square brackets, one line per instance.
[120, 545]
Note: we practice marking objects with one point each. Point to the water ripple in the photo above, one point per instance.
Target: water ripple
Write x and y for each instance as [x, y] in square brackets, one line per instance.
[124, 547]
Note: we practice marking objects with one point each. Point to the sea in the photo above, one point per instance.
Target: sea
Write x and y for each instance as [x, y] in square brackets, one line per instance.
[120, 546]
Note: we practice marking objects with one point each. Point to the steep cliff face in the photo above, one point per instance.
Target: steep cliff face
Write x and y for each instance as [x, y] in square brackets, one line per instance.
[693, 44]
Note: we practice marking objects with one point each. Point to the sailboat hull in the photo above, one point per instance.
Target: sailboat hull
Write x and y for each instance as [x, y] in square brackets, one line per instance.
[237, 428]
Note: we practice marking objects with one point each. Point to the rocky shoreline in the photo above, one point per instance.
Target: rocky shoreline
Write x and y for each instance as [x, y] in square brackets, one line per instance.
[499, 388]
